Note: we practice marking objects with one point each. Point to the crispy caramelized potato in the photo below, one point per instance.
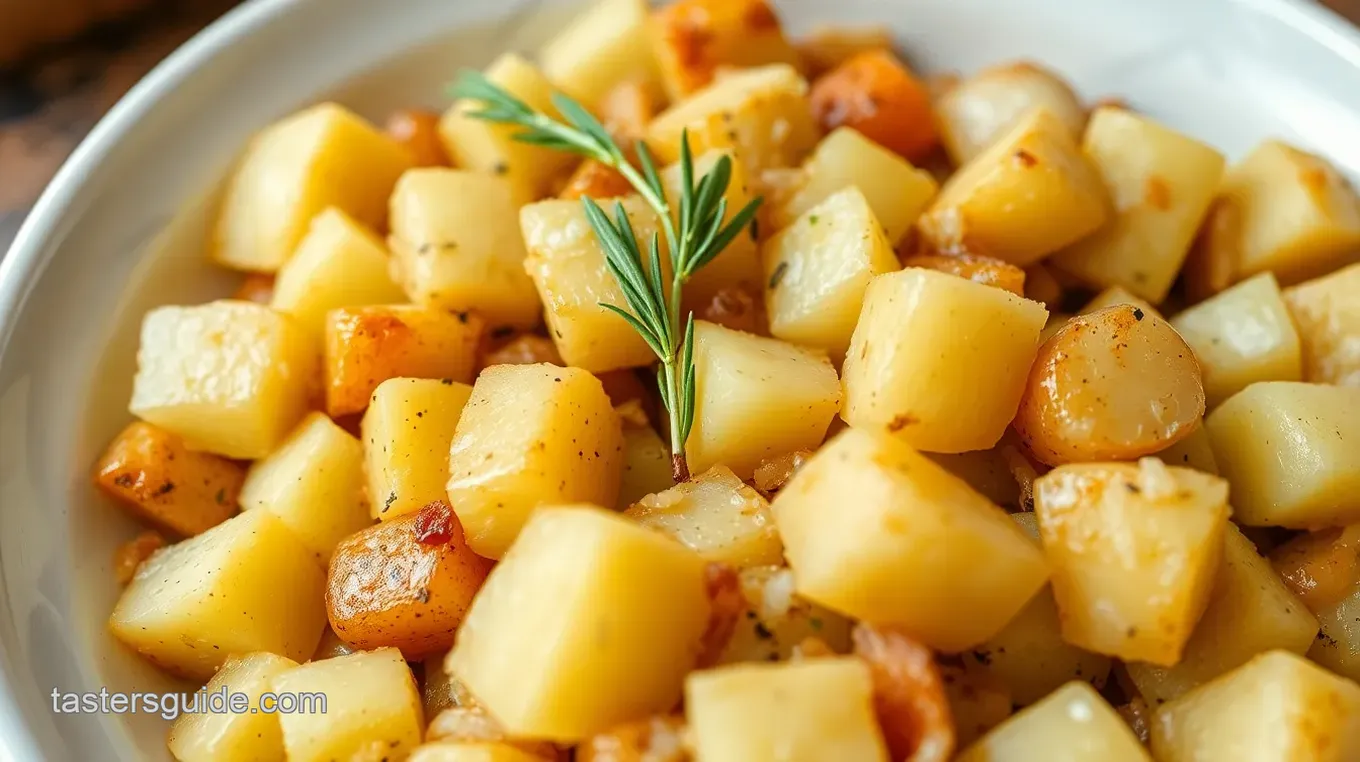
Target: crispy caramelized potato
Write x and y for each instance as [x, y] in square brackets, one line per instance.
[627, 108]
[718, 516]
[826, 47]
[980, 109]
[771, 475]
[1321, 568]
[157, 479]
[909, 696]
[734, 308]
[418, 131]
[596, 180]
[694, 38]
[128, 558]
[975, 267]
[722, 585]
[775, 622]
[663, 738]
[1328, 318]
[875, 93]
[257, 287]
[406, 583]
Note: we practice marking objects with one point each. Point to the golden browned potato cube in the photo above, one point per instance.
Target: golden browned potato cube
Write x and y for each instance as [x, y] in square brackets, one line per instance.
[531, 435]
[625, 608]
[567, 265]
[692, 39]
[321, 157]
[371, 702]
[227, 377]
[456, 244]
[602, 47]
[1028, 195]
[738, 266]
[365, 346]
[338, 263]
[1134, 551]
[1276, 708]
[809, 711]
[896, 191]
[1328, 318]
[776, 620]
[717, 515]
[157, 479]
[915, 363]
[1115, 296]
[1241, 336]
[1250, 612]
[876, 557]
[756, 398]
[248, 584]
[491, 149]
[251, 735]
[406, 434]
[1161, 184]
[974, 113]
[1289, 452]
[1074, 724]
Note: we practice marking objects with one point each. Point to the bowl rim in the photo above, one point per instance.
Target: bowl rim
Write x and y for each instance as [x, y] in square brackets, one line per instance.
[28, 254]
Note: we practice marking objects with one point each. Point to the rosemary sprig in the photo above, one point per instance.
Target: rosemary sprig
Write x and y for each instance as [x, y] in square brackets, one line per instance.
[694, 230]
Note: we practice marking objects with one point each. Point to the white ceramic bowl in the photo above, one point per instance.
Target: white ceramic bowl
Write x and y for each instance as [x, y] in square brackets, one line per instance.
[120, 228]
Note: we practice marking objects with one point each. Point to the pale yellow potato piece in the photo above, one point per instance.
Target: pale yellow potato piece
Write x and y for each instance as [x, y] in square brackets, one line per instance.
[444, 751]
[738, 266]
[896, 191]
[760, 113]
[248, 584]
[1290, 452]
[1250, 612]
[371, 701]
[314, 482]
[1028, 195]
[321, 157]
[1114, 296]
[1074, 724]
[717, 515]
[338, 263]
[603, 46]
[567, 266]
[232, 737]
[776, 620]
[977, 111]
[694, 40]
[625, 608]
[531, 435]
[1276, 708]
[809, 711]
[908, 540]
[1134, 551]
[1161, 183]
[406, 433]
[1241, 336]
[456, 244]
[756, 398]
[1327, 315]
[646, 465]
[1337, 646]
[817, 269]
[491, 149]
[1195, 451]
[916, 360]
[228, 377]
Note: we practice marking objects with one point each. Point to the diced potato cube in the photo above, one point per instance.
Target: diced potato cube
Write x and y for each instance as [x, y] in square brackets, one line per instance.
[756, 398]
[227, 737]
[875, 93]
[912, 368]
[248, 584]
[646, 465]
[599, 48]
[321, 157]
[406, 435]
[718, 516]
[625, 606]
[809, 711]
[1161, 183]
[1030, 194]
[1321, 568]
[1328, 318]
[1242, 336]
[738, 266]
[339, 263]
[491, 149]
[978, 268]
[1289, 452]
[1134, 551]
[365, 346]
[227, 377]
[371, 701]
[531, 435]
[896, 191]
[761, 114]
[1074, 724]
[879, 556]
[1115, 296]
[567, 265]
[314, 482]
[1276, 708]
[983, 107]
[1250, 612]
[1195, 451]
[692, 39]
[1337, 646]
[156, 478]
[776, 620]
[456, 244]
